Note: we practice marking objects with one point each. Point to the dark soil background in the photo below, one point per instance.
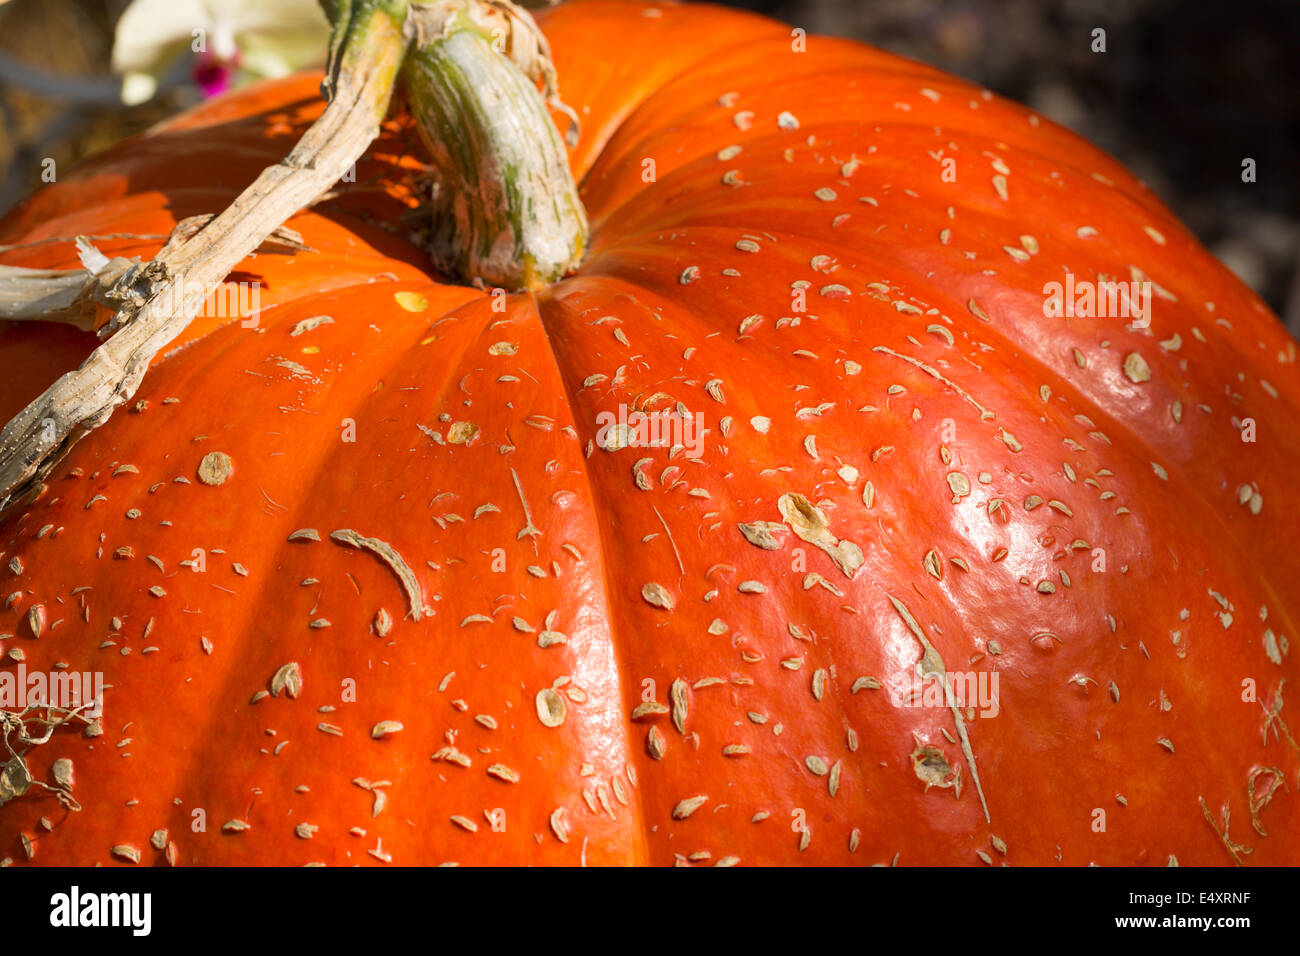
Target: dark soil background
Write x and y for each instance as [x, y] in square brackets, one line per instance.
[1185, 90]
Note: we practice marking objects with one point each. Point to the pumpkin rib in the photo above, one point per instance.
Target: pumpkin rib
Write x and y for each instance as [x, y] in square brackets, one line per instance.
[630, 636]
[680, 106]
[476, 337]
[605, 156]
[632, 754]
[532, 316]
[264, 597]
[694, 169]
[1085, 401]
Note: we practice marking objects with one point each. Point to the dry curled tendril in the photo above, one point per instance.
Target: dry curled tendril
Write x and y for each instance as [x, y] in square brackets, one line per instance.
[23, 730]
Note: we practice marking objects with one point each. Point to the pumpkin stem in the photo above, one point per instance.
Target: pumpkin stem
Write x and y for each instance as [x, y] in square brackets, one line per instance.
[506, 210]
[356, 26]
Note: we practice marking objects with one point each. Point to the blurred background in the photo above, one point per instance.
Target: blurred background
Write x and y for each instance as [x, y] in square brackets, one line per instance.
[1185, 90]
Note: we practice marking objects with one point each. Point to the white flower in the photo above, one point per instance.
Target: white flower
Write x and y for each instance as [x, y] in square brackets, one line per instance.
[230, 41]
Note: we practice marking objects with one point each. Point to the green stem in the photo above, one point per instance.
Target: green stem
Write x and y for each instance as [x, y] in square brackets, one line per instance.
[356, 24]
[506, 210]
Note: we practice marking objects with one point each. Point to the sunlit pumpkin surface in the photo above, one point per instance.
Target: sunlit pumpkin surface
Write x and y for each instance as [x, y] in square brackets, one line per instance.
[366, 587]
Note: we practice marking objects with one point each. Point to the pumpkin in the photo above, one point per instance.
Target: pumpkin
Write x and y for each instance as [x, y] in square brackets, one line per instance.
[399, 573]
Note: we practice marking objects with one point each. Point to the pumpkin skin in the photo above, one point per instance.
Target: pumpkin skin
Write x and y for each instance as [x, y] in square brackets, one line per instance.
[1119, 689]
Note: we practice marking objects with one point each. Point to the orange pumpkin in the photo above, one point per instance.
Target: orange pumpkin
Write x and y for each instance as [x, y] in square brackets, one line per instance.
[375, 581]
